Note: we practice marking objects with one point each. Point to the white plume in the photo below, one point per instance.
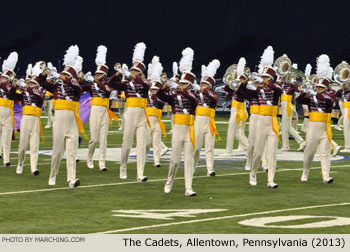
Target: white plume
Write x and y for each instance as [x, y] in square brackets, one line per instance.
[266, 58]
[101, 55]
[149, 70]
[322, 66]
[154, 61]
[10, 62]
[71, 55]
[308, 70]
[156, 71]
[36, 71]
[330, 73]
[186, 60]
[78, 66]
[240, 67]
[49, 65]
[139, 52]
[295, 65]
[175, 68]
[29, 70]
[204, 68]
[212, 68]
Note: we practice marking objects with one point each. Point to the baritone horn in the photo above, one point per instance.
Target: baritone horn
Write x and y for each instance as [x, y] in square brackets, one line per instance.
[282, 65]
[342, 74]
[230, 74]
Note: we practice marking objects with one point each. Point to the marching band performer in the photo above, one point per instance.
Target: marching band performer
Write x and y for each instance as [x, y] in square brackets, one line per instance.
[183, 104]
[67, 123]
[7, 93]
[101, 116]
[136, 90]
[238, 116]
[267, 125]
[305, 107]
[288, 90]
[154, 112]
[344, 95]
[319, 132]
[32, 98]
[204, 124]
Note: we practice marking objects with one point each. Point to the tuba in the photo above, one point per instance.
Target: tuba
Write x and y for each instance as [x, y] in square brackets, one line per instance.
[163, 77]
[342, 74]
[230, 75]
[283, 65]
[117, 66]
[297, 76]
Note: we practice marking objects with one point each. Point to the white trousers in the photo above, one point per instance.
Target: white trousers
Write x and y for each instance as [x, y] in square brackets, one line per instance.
[234, 132]
[65, 138]
[6, 128]
[135, 121]
[253, 121]
[181, 139]
[316, 138]
[346, 128]
[155, 139]
[30, 133]
[49, 112]
[202, 132]
[341, 119]
[286, 127]
[99, 125]
[306, 120]
[265, 135]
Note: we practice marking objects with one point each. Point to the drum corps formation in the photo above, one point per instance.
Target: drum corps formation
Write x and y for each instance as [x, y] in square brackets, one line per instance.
[276, 86]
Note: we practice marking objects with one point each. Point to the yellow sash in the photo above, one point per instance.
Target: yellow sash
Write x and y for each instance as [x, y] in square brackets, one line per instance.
[72, 106]
[323, 117]
[346, 104]
[288, 99]
[138, 103]
[254, 109]
[210, 112]
[186, 119]
[268, 110]
[241, 114]
[9, 104]
[157, 113]
[99, 101]
[35, 111]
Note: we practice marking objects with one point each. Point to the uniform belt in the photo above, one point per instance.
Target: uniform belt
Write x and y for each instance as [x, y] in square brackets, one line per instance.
[254, 109]
[209, 112]
[288, 99]
[35, 111]
[185, 119]
[72, 106]
[9, 104]
[99, 101]
[157, 113]
[325, 118]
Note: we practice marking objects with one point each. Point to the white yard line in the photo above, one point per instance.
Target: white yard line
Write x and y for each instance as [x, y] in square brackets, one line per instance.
[221, 218]
[151, 180]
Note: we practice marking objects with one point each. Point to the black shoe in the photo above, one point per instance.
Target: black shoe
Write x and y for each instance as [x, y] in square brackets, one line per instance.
[212, 174]
[0, 156]
[36, 173]
[158, 165]
[77, 183]
[77, 160]
[330, 181]
[103, 169]
[8, 164]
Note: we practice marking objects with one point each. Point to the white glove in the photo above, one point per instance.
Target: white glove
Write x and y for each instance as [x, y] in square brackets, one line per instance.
[173, 79]
[251, 87]
[311, 92]
[88, 77]
[54, 74]
[125, 70]
[173, 85]
[21, 83]
[258, 79]
[196, 87]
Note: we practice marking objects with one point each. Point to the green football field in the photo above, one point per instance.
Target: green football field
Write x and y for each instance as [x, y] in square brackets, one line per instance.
[224, 204]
